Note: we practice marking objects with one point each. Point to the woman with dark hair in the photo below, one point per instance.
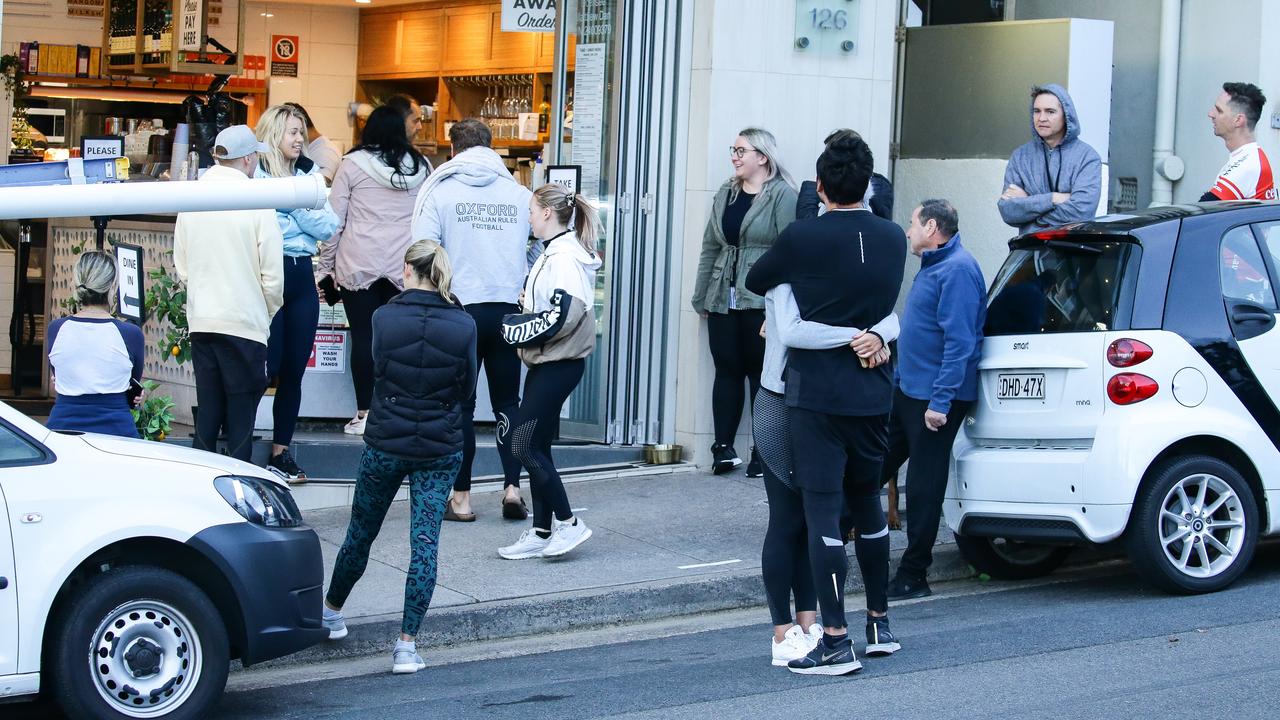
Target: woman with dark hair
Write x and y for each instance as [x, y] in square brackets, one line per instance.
[373, 196]
[95, 360]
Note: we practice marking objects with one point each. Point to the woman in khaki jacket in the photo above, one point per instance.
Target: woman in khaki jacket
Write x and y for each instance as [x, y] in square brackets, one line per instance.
[748, 213]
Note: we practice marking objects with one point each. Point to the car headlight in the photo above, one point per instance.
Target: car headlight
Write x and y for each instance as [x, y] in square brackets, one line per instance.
[259, 501]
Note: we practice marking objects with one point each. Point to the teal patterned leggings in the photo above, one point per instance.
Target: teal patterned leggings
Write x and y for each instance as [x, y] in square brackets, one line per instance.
[377, 481]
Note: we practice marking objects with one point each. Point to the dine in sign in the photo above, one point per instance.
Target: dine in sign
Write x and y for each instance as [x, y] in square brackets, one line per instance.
[529, 16]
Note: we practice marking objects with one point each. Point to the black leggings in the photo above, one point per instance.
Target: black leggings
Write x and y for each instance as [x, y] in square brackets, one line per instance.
[837, 467]
[784, 561]
[360, 305]
[546, 387]
[293, 335]
[738, 353]
[502, 369]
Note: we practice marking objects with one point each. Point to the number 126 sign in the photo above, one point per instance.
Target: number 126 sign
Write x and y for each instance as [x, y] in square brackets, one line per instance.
[829, 27]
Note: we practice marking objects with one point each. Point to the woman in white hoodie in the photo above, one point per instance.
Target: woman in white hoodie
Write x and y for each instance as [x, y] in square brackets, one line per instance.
[373, 195]
[554, 332]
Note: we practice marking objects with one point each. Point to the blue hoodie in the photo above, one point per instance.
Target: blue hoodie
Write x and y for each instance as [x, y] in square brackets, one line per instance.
[303, 228]
[1072, 167]
[941, 335]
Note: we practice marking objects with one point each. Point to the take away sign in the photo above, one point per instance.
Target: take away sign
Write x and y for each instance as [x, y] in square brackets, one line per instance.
[529, 16]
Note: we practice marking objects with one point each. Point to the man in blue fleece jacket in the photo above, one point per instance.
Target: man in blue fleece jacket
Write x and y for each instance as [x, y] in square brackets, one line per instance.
[936, 382]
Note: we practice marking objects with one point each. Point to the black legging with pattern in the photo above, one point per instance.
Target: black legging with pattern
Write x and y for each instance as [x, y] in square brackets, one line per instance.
[546, 387]
[784, 561]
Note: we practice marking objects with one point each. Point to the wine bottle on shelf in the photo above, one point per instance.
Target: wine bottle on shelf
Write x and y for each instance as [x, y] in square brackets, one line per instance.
[544, 115]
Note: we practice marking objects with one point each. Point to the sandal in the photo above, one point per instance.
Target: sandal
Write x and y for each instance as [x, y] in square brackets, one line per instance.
[449, 514]
[515, 509]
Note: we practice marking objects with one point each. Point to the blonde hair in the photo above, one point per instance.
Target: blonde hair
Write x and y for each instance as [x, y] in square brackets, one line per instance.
[94, 275]
[270, 131]
[572, 210]
[430, 262]
[765, 144]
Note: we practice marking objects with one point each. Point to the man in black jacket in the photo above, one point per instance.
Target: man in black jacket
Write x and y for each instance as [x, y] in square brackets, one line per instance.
[879, 197]
[845, 268]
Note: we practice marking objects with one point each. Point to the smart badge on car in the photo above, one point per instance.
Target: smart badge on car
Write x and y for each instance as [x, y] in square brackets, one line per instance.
[1022, 386]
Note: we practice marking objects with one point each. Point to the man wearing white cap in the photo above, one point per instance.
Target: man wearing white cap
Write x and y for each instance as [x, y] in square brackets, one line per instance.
[233, 264]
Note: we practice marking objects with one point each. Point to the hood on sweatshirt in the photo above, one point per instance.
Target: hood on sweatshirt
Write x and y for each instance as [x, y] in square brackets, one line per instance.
[1068, 111]
[567, 244]
[384, 175]
[478, 167]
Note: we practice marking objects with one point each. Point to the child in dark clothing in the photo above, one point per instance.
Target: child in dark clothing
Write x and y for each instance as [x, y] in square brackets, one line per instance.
[845, 268]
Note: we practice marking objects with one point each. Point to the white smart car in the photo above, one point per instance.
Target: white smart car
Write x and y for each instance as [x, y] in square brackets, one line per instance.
[132, 572]
[1129, 385]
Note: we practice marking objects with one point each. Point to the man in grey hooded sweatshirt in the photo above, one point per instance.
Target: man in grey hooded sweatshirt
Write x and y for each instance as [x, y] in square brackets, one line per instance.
[1056, 178]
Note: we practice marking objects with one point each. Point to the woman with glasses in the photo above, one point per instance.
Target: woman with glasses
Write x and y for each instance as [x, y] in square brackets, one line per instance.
[749, 211]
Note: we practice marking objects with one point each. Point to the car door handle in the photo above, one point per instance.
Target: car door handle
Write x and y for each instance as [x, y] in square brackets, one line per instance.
[1242, 315]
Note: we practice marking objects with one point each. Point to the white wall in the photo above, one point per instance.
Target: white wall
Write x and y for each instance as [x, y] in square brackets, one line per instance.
[746, 72]
[326, 82]
[1218, 47]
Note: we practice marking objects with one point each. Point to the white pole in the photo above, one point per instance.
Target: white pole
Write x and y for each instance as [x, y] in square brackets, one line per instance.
[162, 198]
[1168, 167]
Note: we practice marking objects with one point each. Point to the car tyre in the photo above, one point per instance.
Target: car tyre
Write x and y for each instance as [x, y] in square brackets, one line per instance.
[1005, 559]
[1225, 516]
[138, 641]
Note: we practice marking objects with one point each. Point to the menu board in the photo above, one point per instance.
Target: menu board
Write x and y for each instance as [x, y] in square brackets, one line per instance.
[588, 115]
[85, 8]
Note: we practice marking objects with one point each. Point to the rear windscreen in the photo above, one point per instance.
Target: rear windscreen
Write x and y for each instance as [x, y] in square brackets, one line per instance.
[1061, 285]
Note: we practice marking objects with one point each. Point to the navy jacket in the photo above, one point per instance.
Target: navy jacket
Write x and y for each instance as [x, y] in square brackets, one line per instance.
[424, 369]
[941, 338]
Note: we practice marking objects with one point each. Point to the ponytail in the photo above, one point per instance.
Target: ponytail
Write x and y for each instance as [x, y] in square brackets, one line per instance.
[574, 211]
[430, 262]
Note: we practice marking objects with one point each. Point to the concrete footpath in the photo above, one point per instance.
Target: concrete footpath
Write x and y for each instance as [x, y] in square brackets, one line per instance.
[664, 545]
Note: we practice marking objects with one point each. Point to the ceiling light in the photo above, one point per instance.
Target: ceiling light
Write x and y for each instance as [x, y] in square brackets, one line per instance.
[267, 14]
[363, 2]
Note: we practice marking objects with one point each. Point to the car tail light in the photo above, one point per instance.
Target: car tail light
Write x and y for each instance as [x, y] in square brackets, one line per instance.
[1129, 388]
[1048, 235]
[1127, 353]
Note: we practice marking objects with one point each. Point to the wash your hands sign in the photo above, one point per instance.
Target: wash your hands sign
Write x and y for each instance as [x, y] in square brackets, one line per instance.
[529, 15]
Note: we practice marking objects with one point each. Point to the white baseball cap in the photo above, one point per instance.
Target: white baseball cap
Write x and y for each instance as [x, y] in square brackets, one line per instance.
[235, 142]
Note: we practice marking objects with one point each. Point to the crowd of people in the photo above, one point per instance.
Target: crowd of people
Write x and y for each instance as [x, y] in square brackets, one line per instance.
[446, 270]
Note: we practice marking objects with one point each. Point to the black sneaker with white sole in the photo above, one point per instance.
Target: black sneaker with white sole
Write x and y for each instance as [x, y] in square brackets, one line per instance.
[880, 639]
[754, 468]
[287, 468]
[724, 458]
[901, 588]
[823, 660]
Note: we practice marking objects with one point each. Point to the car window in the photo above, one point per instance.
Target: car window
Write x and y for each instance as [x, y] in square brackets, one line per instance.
[16, 450]
[1244, 275]
[1063, 285]
[1269, 234]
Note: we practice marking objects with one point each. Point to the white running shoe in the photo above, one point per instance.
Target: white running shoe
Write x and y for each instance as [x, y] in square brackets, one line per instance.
[795, 645]
[815, 635]
[405, 659]
[334, 623]
[355, 426]
[528, 546]
[565, 537]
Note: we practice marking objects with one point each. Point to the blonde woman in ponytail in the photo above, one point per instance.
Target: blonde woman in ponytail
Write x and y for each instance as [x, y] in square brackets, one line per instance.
[554, 333]
[414, 429]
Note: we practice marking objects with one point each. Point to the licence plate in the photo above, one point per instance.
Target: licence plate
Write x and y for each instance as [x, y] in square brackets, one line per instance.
[1024, 386]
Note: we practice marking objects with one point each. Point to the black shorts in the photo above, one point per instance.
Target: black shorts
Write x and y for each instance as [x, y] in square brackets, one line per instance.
[832, 452]
[232, 364]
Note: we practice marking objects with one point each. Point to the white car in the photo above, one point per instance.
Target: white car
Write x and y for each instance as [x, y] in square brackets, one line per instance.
[132, 572]
[1129, 384]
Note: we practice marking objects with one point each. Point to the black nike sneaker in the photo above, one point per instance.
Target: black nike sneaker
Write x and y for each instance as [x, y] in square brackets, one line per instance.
[724, 458]
[901, 588]
[880, 639]
[288, 470]
[754, 468]
[823, 660]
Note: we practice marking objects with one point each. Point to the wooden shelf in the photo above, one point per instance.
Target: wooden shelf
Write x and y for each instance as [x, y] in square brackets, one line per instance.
[124, 83]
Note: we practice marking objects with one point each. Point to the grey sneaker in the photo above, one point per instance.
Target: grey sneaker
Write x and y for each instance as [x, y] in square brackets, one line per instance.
[405, 659]
[334, 623]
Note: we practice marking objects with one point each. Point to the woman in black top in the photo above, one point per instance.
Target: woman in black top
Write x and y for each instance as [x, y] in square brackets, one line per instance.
[748, 213]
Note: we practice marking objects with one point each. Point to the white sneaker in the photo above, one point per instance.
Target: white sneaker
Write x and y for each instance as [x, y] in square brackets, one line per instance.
[795, 645]
[334, 623]
[405, 659]
[565, 537]
[528, 546]
[356, 425]
[815, 635]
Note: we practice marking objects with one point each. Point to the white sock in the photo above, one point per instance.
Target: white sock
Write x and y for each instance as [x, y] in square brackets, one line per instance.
[331, 614]
[405, 646]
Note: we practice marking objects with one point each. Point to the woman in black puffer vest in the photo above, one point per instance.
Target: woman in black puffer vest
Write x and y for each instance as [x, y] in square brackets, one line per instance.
[424, 351]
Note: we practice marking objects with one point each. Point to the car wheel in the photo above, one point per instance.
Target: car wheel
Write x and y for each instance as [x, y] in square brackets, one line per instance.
[1005, 559]
[1194, 525]
[138, 642]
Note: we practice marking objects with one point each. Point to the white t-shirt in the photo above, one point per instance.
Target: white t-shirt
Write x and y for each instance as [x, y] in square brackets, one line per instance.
[1246, 176]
